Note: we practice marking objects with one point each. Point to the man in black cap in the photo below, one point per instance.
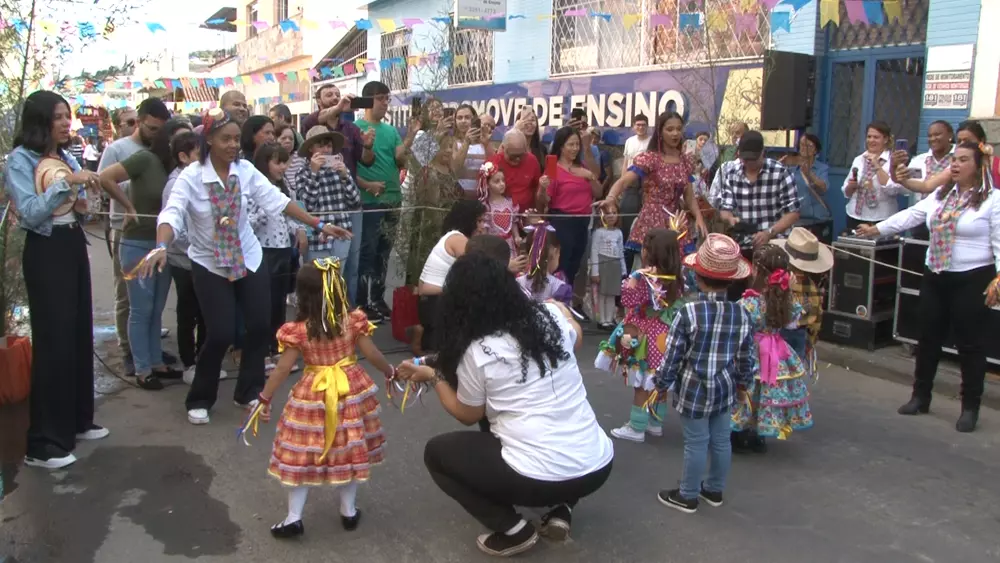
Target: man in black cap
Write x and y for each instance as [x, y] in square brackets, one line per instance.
[757, 190]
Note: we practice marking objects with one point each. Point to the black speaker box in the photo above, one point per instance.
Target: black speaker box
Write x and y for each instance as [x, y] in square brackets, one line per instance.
[788, 91]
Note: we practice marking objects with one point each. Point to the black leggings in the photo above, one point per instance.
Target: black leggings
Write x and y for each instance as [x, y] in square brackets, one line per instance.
[219, 299]
[279, 265]
[190, 324]
[468, 467]
[427, 313]
[954, 300]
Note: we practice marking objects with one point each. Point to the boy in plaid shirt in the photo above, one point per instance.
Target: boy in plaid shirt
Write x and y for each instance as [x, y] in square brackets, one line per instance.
[710, 359]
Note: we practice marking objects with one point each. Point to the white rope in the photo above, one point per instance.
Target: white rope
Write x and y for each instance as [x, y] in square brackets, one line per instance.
[863, 257]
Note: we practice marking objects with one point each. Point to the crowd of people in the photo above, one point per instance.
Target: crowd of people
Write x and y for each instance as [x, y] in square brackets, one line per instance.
[718, 321]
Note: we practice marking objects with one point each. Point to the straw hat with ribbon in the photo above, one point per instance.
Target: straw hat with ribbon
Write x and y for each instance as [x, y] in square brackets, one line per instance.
[805, 251]
[318, 134]
[718, 258]
[49, 171]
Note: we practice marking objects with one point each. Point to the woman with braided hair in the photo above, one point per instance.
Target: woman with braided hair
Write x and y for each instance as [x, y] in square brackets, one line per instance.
[963, 217]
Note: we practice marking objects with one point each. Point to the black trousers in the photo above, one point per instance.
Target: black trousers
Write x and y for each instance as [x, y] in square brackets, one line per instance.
[853, 223]
[427, 306]
[57, 277]
[219, 299]
[279, 266]
[954, 300]
[468, 467]
[573, 236]
[190, 323]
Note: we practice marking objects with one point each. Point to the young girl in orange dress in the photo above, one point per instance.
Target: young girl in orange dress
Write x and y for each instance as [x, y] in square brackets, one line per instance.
[329, 432]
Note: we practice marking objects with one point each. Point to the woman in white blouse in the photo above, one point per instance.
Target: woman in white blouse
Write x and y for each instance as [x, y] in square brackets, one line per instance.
[962, 262]
[511, 359]
[226, 257]
[870, 191]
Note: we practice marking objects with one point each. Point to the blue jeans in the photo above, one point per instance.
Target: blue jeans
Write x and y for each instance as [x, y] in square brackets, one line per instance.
[704, 438]
[146, 298]
[573, 236]
[354, 256]
[379, 226]
[340, 250]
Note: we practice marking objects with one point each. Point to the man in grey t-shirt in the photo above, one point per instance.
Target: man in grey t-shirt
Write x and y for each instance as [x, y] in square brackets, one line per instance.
[115, 153]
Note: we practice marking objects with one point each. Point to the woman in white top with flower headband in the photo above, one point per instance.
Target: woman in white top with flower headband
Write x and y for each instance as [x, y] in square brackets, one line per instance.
[962, 263]
[226, 257]
[870, 191]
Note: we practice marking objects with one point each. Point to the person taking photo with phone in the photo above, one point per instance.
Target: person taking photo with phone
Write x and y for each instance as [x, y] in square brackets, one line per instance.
[812, 179]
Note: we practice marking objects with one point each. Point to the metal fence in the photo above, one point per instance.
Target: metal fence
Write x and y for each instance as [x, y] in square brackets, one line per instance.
[910, 29]
[645, 33]
[476, 46]
[396, 45]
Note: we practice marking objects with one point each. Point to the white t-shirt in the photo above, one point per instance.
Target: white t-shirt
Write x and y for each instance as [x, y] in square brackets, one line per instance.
[546, 426]
[633, 146]
[474, 159]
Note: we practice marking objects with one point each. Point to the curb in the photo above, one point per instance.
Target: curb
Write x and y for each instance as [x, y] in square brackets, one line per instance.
[947, 383]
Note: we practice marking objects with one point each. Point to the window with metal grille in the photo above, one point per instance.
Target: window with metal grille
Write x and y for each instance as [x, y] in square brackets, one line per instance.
[476, 45]
[911, 29]
[396, 45]
[671, 33]
[280, 10]
[251, 18]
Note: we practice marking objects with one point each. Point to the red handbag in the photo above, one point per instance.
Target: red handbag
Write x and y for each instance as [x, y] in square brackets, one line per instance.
[404, 312]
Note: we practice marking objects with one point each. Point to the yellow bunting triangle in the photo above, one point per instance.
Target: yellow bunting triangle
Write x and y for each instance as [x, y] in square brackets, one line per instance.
[829, 12]
[461, 60]
[718, 21]
[629, 20]
[749, 5]
[388, 25]
[893, 10]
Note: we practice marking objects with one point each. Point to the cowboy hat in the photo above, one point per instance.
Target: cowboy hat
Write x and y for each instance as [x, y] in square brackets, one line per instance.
[319, 134]
[718, 258]
[805, 251]
[49, 171]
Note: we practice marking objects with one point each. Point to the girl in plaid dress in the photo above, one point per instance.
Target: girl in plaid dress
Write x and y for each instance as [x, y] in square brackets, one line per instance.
[329, 432]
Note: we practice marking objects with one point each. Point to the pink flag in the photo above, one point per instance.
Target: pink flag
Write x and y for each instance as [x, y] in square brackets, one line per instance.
[662, 19]
[575, 13]
[745, 23]
[410, 22]
[856, 11]
[334, 24]
[770, 3]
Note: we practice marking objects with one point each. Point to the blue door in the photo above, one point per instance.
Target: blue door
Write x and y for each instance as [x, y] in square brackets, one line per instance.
[864, 85]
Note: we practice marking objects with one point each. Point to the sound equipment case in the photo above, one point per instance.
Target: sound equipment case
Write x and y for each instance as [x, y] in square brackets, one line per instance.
[906, 324]
[862, 294]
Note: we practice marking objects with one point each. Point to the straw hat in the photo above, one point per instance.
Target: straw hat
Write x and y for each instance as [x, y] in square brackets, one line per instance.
[50, 170]
[718, 258]
[805, 252]
[318, 134]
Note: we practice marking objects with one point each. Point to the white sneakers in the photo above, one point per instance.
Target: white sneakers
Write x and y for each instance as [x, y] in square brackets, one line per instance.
[94, 433]
[52, 462]
[198, 416]
[189, 375]
[626, 432]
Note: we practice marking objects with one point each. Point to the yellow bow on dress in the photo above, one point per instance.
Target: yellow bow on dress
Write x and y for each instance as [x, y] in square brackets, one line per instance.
[332, 381]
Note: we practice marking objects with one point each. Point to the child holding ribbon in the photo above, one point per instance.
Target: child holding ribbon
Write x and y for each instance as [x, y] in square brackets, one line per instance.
[651, 296]
[777, 401]
[541, 282]
[329, 432]
[501, 211]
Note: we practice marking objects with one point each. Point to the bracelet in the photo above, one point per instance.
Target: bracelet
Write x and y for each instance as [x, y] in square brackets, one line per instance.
[262, 399]
[161, 245]
[319, 226]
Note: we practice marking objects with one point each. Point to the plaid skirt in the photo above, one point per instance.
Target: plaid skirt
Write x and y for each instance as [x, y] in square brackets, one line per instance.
[300, 438]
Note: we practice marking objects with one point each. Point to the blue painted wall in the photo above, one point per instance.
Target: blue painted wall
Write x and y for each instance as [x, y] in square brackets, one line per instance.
[802, 38]
[950, 22]
[522, 53]
[426, 37]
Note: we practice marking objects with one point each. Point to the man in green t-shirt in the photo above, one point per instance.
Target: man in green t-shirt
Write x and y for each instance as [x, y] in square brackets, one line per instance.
[380, 199]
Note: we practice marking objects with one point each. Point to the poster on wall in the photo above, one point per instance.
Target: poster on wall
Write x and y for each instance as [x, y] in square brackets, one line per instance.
[948, 78]
[481, 14]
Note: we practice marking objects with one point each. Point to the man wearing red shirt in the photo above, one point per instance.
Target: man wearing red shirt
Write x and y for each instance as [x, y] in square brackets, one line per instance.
[521, 170]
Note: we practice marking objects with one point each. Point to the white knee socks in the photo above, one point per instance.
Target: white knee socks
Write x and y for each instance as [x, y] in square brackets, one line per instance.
[607, 309]
[348, 496]
[296, 503]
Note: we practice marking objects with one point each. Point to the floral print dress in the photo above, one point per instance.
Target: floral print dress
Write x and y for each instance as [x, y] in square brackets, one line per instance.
[778, 397]
[663, 188]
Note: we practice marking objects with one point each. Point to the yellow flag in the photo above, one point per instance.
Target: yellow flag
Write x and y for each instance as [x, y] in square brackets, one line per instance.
[359, 65]
[388, 25]
[629, 20]
[829, 11]
[718, 21]
[48, 27]
[310, 24]
[893, 10]
[748, 5]
[542, 17]
[461, 60]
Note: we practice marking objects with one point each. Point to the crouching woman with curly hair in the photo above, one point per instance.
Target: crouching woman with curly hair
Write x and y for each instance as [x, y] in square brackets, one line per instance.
[503, 355]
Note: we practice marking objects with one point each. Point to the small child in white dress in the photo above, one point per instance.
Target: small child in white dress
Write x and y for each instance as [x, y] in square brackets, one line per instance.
[607, 269]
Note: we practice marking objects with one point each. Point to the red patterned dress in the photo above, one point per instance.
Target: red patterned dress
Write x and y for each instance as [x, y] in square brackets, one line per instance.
[301, 434]
[501, 221]
[663, 186]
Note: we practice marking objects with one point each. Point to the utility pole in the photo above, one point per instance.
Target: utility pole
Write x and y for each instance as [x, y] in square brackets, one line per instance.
[27, 53]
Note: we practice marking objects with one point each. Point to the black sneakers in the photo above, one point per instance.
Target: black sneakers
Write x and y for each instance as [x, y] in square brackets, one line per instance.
[382, 308]
[49, 457]
[711, 497]
[556, 524]
[673, 499]
[285, 531]
[373, 315]
[350, 523]
[502, 545]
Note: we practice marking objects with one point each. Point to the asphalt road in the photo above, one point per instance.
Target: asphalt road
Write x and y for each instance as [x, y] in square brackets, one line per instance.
[864, 485]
